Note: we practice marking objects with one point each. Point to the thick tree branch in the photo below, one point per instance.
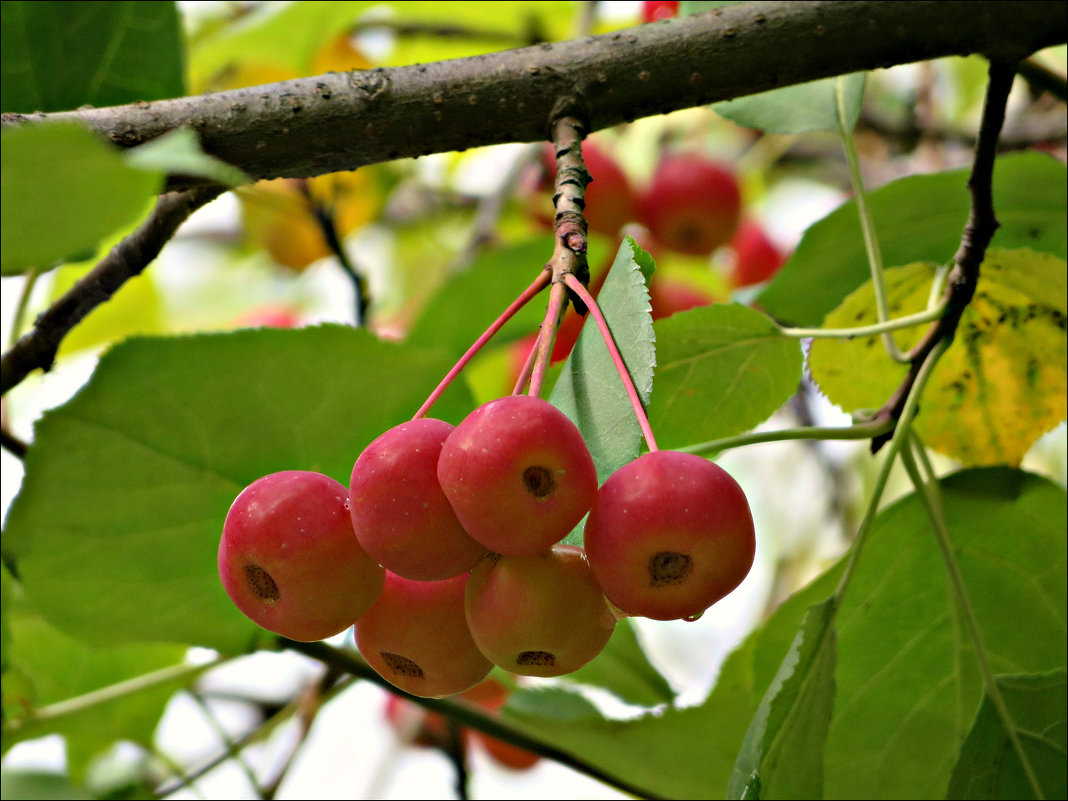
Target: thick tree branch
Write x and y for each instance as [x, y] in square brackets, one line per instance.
[342, 121]
[38, 347]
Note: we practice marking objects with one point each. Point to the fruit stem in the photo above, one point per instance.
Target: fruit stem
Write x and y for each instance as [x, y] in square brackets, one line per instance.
[527, 294]
[617, 359]
[907, 321]
[860, 431]
[528, 367]
[546, 336]
[867, 225]
[931, 496]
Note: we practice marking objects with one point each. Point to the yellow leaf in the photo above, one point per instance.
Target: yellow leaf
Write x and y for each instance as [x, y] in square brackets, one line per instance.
[1002, 383]
[278, 215]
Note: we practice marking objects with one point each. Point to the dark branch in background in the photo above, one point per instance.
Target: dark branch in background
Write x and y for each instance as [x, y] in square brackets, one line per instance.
[978, 231]
[1043, 79]
[335, 122]
[459, 713]
[325, 218]
[457, 755]
[12, 444]
[37, 348]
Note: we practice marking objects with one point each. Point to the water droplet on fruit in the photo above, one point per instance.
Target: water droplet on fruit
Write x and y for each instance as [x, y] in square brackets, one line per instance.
[693, 618]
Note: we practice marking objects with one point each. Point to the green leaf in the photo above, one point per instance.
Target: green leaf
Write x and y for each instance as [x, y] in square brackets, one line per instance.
[590, 390]
[918, 218]
[127, 485]
[623, 669]
[51, 673]
[468, 303]
[796, 109]
[281, 35]
[63, 191]
[39, 784]
[782, 750]
[288, 35]
[907, 682]
[515, 23]
[178, 152]
[1001, 385]
[59, 56]
[989, 765]
[722, 369]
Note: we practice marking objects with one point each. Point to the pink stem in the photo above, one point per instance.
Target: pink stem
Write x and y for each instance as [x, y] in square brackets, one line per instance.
[546, 336]
[539, 284]
[576, 286]
[528, 366]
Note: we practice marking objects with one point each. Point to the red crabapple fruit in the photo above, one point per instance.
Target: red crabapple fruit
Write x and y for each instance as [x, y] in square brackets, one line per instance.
[540, 615]
[669, 535]
[518, 474]
[289, 560]
[654, 10]
[416, 637]
[692, 204]
[756, 257]
[399, 513]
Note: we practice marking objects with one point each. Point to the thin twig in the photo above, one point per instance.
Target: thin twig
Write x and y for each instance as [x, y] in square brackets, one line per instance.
[12, 444]
[1041, 77]
[37, 348]
[462, 714]
[325, 217]
[228, 742]
[978, 231]
[308, 705]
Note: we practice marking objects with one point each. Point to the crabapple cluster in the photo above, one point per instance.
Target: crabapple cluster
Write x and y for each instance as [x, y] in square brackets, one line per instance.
[445, 555]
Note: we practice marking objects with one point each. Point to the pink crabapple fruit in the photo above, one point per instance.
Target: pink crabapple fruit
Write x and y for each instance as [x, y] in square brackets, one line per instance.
[540, 615]
[518, 474]
[289, 560]
[416, 637]
[399, 513]
[669, 535]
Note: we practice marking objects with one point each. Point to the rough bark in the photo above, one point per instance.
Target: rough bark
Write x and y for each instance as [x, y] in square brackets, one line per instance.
[334, 122]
